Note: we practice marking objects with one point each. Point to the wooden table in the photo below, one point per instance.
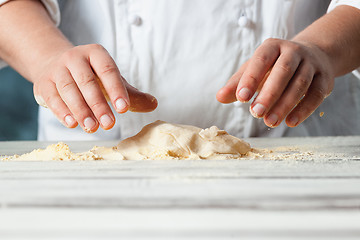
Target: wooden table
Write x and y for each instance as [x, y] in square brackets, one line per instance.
[314, 198]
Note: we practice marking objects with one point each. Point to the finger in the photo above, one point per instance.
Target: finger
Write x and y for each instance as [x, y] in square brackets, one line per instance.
[52, 100]
[74, 100]
[227, 94]
[263, 59]
[319, 89]
[90, 89]
[291, 96]
[139, 101]
[274, 86]
[109, 75]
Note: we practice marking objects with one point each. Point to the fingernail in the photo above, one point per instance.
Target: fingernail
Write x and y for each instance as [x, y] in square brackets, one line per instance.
[120, 105]
[106, 120]
[272, 119]
[258, 110]
[89, 124]
[293, 120]
[69, 120]
[244, 94]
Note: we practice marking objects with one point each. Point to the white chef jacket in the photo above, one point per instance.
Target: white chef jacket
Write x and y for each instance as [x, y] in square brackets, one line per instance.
[184, 51]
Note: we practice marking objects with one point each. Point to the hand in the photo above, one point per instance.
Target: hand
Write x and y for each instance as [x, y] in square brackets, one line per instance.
[77, 82]
[292, 80]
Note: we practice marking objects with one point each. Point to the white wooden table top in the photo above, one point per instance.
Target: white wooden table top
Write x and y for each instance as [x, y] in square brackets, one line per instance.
[315, 198]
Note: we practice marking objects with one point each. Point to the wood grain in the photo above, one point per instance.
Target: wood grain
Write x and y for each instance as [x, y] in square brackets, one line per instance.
[308, 198]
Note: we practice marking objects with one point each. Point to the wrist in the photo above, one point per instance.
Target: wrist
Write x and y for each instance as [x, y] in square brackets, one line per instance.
[336, 35]
[320, 51]
[46, 59]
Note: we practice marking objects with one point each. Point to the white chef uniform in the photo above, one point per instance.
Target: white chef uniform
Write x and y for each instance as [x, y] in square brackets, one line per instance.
[184, 51]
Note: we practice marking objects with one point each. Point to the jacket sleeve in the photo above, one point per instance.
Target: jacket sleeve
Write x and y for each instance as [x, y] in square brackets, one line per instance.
[353, 3]
[335, 3]
[53, 9]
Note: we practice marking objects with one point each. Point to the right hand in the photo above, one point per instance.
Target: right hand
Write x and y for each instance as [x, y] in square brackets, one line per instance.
[77, 82]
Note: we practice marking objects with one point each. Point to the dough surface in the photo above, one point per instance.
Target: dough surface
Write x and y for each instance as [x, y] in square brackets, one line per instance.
[158, 140]
[161, 140]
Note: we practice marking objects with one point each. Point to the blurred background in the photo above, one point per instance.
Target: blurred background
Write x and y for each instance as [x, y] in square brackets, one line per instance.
[18, 109]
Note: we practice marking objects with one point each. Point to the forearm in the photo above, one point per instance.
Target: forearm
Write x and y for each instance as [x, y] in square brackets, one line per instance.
[28, 37]
[337, 34]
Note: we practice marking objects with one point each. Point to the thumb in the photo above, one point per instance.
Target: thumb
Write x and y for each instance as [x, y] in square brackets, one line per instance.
[227, 94]
[139, 101]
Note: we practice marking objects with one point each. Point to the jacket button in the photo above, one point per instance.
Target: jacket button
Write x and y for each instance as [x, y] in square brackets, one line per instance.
[243, 22]
[135, 20]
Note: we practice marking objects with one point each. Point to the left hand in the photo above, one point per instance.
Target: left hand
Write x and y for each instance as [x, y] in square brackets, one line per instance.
[292, 80]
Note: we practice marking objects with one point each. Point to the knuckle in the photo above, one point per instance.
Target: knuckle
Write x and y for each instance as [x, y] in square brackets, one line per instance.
[320, 70]
[253, 80]
[96, 46]
[69, 55]
[65, 86]
[96, 105]
[86, 79]
[302, 82]
[318, 94]
[286, 66]
[295, 48]
[271, 41]
[109, 69]
[262, 58]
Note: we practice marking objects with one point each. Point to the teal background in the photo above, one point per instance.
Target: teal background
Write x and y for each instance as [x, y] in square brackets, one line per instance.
[18, 109]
